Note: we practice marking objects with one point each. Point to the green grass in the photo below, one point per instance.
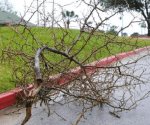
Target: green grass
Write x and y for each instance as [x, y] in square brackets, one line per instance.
[23, 41]
[5, 79]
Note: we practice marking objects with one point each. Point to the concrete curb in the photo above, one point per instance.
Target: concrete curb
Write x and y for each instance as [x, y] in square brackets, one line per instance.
[9, 98]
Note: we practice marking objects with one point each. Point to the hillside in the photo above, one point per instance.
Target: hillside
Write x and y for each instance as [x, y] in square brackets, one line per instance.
[19, 45]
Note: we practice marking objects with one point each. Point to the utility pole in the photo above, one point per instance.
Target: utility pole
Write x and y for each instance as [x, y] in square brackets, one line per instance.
[44, 15]
[121, 18]
[25, 6]
[37, 12]
[53, 14]
[122, 24]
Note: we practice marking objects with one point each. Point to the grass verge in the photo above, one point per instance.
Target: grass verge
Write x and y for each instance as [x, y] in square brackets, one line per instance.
[27, 41]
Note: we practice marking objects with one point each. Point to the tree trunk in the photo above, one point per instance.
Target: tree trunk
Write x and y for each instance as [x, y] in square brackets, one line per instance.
[148, 34]
[68, 23]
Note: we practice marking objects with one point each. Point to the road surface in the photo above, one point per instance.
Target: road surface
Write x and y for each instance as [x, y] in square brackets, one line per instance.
[67, 114]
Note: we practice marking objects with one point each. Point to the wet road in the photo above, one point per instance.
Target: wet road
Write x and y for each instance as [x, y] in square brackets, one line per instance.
[67, 114]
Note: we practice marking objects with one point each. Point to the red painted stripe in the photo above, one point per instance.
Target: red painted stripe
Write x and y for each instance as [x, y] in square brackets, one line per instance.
[9, 98]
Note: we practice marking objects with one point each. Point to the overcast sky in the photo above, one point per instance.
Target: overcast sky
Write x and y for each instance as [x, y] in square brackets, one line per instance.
[21, 5]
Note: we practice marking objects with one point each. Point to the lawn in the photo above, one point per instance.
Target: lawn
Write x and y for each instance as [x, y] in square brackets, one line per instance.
[22, 41]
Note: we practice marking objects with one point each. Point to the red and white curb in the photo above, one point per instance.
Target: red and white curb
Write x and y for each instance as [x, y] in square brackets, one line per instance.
[9, 98]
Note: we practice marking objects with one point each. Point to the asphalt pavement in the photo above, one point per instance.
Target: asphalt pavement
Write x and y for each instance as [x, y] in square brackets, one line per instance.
[68, 114]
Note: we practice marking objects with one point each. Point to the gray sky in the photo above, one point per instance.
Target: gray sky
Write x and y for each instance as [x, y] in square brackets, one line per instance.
[21, 5]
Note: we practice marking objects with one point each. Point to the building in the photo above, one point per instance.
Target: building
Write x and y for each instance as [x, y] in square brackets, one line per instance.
[7, 18]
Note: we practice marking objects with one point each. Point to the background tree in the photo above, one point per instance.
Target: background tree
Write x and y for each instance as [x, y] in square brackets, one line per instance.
[141, 6]
[68, 16]
[135, 34]
[112, 30]
[6, 6]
